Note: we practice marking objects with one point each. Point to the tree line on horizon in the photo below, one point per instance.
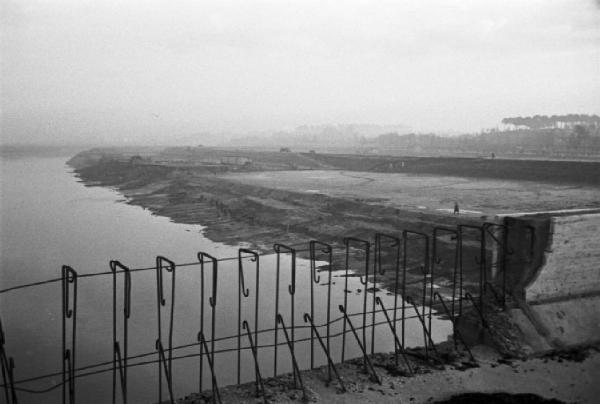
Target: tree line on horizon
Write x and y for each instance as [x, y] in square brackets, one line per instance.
[545, 121]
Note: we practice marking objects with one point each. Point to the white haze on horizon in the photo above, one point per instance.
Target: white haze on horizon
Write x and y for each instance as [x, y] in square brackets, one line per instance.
[96, 71]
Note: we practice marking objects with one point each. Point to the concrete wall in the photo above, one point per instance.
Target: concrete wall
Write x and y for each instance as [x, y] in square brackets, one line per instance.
[554, 277]
[572, 260]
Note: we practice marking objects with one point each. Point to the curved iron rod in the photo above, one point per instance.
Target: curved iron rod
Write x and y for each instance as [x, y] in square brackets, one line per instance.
[331, 365]
[292, 291]
[325, 249]
[455, 330]
[119, 365]
[69, 276]
[216, 395]
[290, 344]
[398, 344]
[212, 300]
[367, 249]
[169, 266]
[245, 292]
[258, 378]
[162, 360]
[366, 362]
[377, 267]
[421, 318]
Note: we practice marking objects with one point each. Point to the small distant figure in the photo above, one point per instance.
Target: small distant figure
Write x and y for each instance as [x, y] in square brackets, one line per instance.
[493, 156]
[456, 208]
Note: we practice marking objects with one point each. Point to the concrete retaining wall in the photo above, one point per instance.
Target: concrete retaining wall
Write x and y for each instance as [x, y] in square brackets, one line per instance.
[555, 276]
[572, 260]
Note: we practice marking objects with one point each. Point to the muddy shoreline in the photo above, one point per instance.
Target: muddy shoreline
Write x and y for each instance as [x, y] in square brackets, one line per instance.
[234, 213]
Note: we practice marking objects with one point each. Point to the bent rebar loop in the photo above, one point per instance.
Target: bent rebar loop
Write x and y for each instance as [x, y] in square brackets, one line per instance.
[481, 261]
[69, 276]
[279, 248]
[331, 365]
[169, 266]
[398, 346]
[436, 260]
[258, 378]
[323, 248]
[456, 331]
[212, 301]
[290, 344]
[394, 242]
[7, 364]
[367, 249]
[421, 317]
[245, 292]
[120, 357]
[366, 361]
[163, 361]
[425, 263]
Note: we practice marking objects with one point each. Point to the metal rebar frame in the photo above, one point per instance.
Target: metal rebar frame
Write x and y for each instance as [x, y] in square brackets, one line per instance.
[120, 355]
[163, 263]
[162, 360]
[290, 344]
[386, 255]
[455, 331]
[367, 250]
[212, 301]
[328, 251]
[394, 242]
[69, 277]
[258, 378]
[421, 317]
[278, 248]
[331, 365]
[216, 395]
[245, 292]
[8, 365]
[366, 361]
[398, 346]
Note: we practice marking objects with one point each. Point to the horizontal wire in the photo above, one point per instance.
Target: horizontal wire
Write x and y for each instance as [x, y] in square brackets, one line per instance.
[262, 254]
[187, 356]
[220, 339]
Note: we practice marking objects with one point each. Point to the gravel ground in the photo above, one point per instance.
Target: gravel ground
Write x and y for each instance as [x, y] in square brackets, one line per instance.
[568, 377]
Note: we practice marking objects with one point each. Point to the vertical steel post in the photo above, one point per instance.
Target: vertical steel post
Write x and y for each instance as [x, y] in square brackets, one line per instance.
[120, 357]
[245, 292]
[169, 266]
[69, 276]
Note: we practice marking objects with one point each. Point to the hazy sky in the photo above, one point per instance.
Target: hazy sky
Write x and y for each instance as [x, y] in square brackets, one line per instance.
[90, 71]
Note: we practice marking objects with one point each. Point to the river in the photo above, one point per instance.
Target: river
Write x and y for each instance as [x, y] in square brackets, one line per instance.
[50, 219]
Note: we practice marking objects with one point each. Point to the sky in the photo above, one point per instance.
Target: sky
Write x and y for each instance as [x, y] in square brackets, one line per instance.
[96, 71]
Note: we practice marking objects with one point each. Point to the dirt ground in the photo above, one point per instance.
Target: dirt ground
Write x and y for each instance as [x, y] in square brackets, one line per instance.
[475, 196]
[572, 379]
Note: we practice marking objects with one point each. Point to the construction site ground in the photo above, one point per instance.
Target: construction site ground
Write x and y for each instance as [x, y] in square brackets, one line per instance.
[570, 377]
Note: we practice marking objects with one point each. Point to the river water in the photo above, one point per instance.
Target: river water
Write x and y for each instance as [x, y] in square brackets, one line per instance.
[49, 219]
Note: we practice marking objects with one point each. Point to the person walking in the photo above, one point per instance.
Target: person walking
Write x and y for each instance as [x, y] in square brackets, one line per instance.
[456, 209]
